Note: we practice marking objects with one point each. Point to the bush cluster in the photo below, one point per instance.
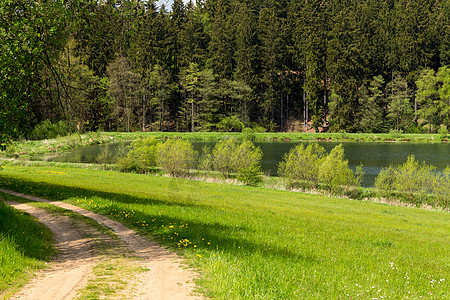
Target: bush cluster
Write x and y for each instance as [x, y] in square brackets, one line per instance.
[415, 182]
[306, 167]
[140, 156]
[311, 167]
[234, 158]
[48, 130]
[176, 157]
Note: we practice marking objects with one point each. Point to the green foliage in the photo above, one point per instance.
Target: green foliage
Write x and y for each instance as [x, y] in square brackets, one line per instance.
[443, 78]
[230, 156]
[395, 133]
[129, 65]
[48, 130]
[248, 133]
[32, 35]
[142, 154]
[370, 109]
[301, 165]
[311, 166]
[385, 181]
[106, 156]
[414, 182]
[412, 179]
[250, 175]
[176, 157]
[259, 129]
[441, 188]
[400, 110]
[230, 124]
[334, 171]
[443, 131]
[124, 91]
[428, 97]
[205, 160]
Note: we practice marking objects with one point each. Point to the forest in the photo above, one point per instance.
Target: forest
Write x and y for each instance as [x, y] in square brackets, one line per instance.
[222, 65]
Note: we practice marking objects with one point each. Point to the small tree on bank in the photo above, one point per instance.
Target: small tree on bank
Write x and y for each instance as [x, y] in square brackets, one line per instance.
[176, 157]
[242, 158]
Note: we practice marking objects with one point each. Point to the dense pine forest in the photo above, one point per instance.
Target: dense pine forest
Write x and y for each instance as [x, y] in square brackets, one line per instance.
[222, 65]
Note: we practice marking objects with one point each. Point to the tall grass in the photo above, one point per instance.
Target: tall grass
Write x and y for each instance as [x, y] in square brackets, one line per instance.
[24, 246]
[256, 243]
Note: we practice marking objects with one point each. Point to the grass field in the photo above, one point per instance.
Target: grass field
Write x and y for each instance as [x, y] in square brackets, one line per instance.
[256, 243]
[25, 246]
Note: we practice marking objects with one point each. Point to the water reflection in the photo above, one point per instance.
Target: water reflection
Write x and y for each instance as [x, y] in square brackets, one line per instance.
[373, 156]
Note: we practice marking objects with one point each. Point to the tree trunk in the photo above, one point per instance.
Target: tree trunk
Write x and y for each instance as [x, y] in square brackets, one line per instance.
[192, 116]
[281, 111]
[143, 113]
[160, 115]
[305, 105]
[324, 94]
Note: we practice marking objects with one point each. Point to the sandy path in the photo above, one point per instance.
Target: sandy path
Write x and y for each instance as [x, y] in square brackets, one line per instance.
[166, 278]
[71, 269]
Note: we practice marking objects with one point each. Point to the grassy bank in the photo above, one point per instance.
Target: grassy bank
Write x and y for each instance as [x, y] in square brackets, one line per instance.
[285, 136]
[256, 243]
[25, 246]
[27, 149]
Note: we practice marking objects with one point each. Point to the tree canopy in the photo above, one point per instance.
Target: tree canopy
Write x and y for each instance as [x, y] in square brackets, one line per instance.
[368, 66]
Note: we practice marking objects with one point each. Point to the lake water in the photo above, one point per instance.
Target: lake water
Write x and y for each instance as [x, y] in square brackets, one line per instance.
[373, 156]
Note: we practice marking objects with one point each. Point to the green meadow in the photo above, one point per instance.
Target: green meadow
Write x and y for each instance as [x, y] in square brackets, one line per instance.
[258, 243]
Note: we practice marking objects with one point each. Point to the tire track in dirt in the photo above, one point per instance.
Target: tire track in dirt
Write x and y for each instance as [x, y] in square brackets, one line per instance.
[72, 267]
[166, 278]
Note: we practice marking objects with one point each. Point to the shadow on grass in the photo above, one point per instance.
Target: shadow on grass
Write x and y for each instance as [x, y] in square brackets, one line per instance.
[28, 237]
[221, 237]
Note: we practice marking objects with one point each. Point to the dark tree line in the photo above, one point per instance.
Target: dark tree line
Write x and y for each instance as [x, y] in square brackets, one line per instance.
[223, 64]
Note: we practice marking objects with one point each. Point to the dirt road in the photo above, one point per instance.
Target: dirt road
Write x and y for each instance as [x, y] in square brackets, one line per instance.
[145, 270]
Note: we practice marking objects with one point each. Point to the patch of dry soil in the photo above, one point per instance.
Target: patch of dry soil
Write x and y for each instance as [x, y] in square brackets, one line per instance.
[166, 278]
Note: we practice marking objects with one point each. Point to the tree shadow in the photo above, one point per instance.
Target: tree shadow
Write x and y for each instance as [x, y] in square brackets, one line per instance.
[199, 233]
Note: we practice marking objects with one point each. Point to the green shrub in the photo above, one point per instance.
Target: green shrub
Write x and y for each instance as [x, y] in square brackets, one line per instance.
[48, 130]
[441, 187]
[415, 182]
[259, 129]
[395, 133]
[248, 134]
[443, 131]
[141, 155]
[205, 161]
[229, 156]
[250, 175]
[223, 156]
[230, 124]
[176, 157]
[106, 156]
[334, 171]
[385, 181]
[301, 165]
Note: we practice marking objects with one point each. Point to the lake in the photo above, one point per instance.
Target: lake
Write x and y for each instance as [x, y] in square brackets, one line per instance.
[373, 156]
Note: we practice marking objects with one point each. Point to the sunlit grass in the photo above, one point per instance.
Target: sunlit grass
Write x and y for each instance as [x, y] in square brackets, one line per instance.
[25, 246]
[256, 243]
